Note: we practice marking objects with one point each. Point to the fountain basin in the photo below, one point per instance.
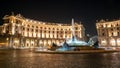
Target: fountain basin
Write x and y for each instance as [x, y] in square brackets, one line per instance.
[77, 52]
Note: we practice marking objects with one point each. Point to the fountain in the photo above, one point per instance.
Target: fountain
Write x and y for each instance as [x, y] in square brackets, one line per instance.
[73, 42]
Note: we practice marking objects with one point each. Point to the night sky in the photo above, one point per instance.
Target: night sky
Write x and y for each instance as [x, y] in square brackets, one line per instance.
[62, 11]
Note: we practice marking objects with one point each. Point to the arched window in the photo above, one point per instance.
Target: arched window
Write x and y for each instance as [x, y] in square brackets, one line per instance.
[112, 42]
[103, 42]
[118, 41]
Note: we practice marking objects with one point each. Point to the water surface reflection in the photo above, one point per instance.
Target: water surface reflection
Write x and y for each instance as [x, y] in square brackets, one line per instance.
[27, 59]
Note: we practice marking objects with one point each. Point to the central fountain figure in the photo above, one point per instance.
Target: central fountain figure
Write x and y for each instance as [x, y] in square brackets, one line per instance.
[73, 42]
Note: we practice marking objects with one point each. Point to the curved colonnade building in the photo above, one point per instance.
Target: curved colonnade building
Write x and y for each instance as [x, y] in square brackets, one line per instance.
[18, 31]
[108, 33]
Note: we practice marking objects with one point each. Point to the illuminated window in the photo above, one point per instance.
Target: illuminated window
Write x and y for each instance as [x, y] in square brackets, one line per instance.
[118, 41]
[43, 35]
[16, 41]
[115, 34]
[111, 34]
[109, 25]
[47, 35]
[32, 42]
[103, 42]
[112, 42]
[27, 34]
[45, 42]
[49, 42]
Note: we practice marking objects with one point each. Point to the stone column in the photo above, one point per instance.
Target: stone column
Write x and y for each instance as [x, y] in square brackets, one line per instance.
[21, 42]
[10, 43]
[116, 42]
[37, 43]
[108, 41]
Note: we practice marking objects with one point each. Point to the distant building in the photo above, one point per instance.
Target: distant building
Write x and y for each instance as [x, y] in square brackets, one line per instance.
[108, 33]
[18, 31]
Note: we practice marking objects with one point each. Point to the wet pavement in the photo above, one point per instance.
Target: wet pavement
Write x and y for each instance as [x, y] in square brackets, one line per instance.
[27, 59]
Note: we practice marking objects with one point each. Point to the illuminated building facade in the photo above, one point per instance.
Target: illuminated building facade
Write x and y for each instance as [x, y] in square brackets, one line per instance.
[22, 32]
[108, 33]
